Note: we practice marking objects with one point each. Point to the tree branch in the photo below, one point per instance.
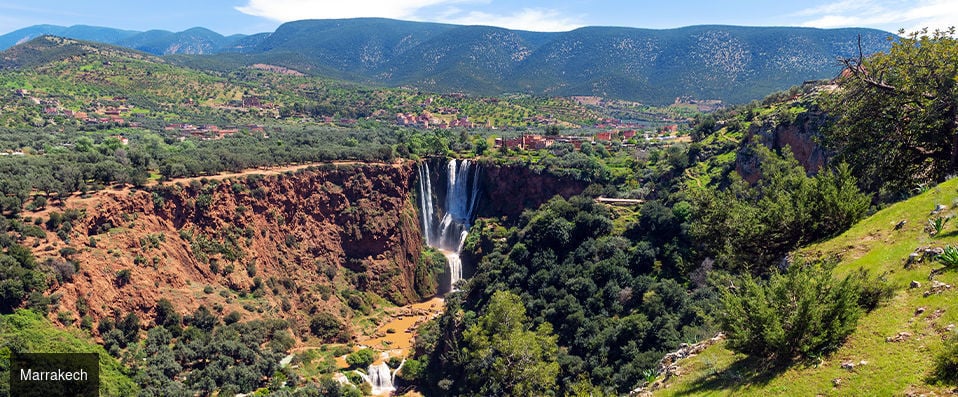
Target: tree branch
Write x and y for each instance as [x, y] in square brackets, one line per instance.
[857, 68]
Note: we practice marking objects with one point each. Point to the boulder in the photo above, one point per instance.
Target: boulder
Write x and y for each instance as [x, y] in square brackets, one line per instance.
[900, 337]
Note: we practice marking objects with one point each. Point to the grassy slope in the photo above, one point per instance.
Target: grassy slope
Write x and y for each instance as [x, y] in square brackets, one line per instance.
[892, 368]
[32, 333]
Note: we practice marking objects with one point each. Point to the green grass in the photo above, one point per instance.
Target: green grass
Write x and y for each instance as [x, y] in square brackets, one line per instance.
[893, 368]
[32, 333]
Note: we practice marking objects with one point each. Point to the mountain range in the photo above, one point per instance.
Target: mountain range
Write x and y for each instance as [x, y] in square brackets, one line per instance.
[730, 63]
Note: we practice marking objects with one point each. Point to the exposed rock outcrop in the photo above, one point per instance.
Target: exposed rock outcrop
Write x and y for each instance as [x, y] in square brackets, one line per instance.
[508, 190]
[276, 246]
[801, 135]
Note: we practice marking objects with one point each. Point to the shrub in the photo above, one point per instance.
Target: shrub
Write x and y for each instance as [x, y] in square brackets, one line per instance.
[326, 327]
[946, 364]
[361, 359]
[949, 257]
[33, 231]
[938, 224]
[801, 313]
[123, 277]
[231, 318]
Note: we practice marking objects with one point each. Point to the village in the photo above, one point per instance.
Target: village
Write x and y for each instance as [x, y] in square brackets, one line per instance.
[626, 137]
[116, 112]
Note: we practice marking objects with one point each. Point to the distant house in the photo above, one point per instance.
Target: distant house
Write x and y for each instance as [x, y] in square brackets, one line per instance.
[251, 101]
[627, 134]
[604, 136]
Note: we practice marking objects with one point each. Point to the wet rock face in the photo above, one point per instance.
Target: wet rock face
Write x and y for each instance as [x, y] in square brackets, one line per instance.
[801, 136]
[288, 241]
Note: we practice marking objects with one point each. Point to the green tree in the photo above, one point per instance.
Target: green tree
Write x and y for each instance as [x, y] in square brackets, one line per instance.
[327, 327]
[896, 113]
[361, 359]
[749, 226]
[797, 314]
[505, 356]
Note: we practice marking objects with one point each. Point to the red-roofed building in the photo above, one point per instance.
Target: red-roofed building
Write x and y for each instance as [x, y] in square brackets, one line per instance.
[604, 136]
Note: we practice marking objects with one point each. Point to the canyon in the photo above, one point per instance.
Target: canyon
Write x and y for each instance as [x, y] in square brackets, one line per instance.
[344, 239]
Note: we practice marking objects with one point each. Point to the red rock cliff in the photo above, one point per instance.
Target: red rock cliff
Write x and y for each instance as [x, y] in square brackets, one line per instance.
[279, 246]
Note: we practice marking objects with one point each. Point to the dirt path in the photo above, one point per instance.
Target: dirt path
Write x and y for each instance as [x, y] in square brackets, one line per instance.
[76, 200]
[273, 171]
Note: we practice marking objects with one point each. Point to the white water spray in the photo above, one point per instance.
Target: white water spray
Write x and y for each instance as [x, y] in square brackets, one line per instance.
[446, 227]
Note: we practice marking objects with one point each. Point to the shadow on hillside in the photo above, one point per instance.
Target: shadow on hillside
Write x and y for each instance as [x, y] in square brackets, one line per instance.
[743, 372]
[948, 234]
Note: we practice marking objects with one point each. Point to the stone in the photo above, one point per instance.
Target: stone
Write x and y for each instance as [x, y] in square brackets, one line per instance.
[950, 328]
[913, 258]
[837, 382]
[900, 337]
[863, 362]
[848, 365]
[914, 284]
[900, 224]
[919, 310]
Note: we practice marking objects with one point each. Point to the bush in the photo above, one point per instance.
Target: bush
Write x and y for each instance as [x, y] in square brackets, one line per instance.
[327, 327]
[949, 257]
[231, 318]
[799, 314]
[946, 364]
[122, 277]
[361, 359]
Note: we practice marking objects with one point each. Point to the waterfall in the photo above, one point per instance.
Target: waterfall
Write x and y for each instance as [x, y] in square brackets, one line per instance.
[381, 378]
[445, 227]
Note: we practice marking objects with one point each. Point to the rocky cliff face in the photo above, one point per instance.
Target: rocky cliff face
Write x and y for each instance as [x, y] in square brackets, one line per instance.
[800, 135]
[320, 240]
[336, 239]
[508, 190]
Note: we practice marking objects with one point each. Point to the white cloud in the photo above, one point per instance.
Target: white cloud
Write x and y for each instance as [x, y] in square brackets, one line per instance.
[538, 20]
[883, 14]
[291, 10]
[447, 11]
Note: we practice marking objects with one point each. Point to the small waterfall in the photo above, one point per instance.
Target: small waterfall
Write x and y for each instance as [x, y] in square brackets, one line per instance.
[425, 201]
[381, 378]
[446, 227]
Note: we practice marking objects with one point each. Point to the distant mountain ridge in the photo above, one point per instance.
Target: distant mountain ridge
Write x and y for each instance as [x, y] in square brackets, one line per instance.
[731, 63]
[193, 41]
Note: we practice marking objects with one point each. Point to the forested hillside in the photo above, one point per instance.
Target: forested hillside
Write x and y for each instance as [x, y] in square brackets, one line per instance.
[732, 64]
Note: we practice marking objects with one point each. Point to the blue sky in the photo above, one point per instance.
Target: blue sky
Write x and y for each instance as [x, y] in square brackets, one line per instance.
[253, 16]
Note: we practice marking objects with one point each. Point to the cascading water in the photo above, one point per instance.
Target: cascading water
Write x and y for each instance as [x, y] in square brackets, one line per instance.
[446, 227]
[381, 378]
